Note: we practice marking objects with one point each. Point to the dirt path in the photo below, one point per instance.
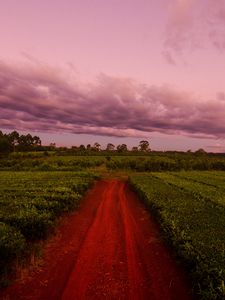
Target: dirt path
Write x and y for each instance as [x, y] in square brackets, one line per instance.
[109, 249]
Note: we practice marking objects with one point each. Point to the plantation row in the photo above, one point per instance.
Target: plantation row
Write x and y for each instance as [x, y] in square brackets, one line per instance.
[30, 202]
[153, 162]
[207, 186]
[190, 207]
[50, 163]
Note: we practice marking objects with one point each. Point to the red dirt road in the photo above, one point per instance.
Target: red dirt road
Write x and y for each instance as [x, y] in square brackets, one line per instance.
[109, 249]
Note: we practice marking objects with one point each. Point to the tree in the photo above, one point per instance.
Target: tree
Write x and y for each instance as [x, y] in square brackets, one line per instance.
[82, 148]
[52, 146]
[13, 139]
[36, 141]
[97, 146]
[200, 151]
[5, 146]
[122, 148]
[110, 147]
[144, 146]
[88, 147]
[134, 149]
[28, 142]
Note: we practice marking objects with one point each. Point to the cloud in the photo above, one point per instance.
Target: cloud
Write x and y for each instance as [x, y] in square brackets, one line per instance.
[218, 147]
[38, 97]
[193, 25]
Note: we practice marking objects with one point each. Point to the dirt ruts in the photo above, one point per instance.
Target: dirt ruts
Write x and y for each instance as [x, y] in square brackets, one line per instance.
[109, 249]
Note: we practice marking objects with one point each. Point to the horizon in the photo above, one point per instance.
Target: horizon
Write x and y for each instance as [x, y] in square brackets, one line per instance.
[80, 72]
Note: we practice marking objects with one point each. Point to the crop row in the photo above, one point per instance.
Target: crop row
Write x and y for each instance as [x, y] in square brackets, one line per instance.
[51, 163]
[29, 205]
[194, 227]
[206, 178]
[159, 163]
[198, 187]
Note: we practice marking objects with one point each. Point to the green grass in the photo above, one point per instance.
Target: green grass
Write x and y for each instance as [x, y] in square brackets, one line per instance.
[192, 224]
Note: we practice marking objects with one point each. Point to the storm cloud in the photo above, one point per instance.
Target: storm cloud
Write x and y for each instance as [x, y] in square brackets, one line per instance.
[38, 97]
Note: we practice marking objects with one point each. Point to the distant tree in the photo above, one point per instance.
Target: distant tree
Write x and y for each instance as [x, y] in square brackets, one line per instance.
[122, 148]
[144, 146]
[28, 142]
[134, 149]
[97, 146]
[110, 147]
[13, 139]
[200, 151]
[36, 141]
[82, 148]
[23, 142]
[52, 146]
[88, 147]
[5, 145]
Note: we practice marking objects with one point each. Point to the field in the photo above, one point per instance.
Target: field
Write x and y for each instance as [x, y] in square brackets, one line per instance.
[190, 207]
[138, 162]
[30, 202]
[185, 193]
[49, 162]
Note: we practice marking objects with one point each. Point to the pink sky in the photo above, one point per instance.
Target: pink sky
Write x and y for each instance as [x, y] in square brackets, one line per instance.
[79, 71]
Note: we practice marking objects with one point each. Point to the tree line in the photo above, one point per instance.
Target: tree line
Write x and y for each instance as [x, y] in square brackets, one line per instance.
[15, 142]
[143, 146]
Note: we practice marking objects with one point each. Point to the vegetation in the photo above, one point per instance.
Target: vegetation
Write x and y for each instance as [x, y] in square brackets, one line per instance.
[155, 162]
[193, 221]
[30, 202]
[42, 162]
[38, 183]
[14, 141]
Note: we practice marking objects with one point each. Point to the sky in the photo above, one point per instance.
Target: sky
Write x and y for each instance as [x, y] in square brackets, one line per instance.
[112, 71]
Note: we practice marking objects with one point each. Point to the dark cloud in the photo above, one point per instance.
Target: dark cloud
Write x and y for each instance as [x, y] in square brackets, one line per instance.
[47, 99]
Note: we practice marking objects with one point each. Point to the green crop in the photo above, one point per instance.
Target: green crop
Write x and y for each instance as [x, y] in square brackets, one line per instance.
[192, 217]
[30, 202]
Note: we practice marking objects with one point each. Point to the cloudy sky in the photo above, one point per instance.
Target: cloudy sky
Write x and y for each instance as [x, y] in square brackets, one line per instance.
[81, 71]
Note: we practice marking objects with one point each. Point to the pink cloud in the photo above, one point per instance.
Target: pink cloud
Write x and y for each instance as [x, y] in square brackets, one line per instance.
[39, 97]
[194, 24]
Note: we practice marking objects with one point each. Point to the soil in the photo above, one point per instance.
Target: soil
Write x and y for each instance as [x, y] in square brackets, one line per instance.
[110, 248]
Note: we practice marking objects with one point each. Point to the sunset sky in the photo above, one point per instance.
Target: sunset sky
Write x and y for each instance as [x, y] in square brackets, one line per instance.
[78, 71]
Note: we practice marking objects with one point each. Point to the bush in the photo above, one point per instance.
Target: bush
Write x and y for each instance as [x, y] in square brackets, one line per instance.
[33, 224]
[12, 242]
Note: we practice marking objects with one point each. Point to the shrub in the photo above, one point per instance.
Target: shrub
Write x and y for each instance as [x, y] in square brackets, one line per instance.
[33, 224]
[12, 242]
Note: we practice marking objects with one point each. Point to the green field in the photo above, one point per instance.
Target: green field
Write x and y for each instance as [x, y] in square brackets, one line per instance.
[30, 202]
[40, 162]
[190, 207]
[36, 188]
[113, 161]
